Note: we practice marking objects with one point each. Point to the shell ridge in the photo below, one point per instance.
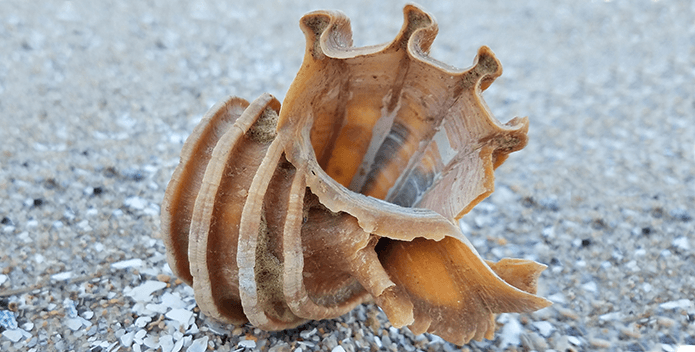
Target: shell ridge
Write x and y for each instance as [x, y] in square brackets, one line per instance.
[175, 224]
[202, 219]
[319, 304]
[297, 297]
[248, 238]
[270, 261]
[293, 287]
[203, 246]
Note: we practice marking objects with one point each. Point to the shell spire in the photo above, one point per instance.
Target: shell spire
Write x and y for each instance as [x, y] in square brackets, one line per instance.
[350, 191]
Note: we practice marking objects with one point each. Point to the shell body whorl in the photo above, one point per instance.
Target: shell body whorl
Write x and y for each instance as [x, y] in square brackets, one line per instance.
[350, 191]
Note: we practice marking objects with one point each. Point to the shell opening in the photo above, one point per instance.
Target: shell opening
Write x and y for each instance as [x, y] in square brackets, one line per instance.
[372, 142]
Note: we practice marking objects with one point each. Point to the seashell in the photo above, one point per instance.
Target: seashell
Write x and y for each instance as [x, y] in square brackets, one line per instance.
[350, 192]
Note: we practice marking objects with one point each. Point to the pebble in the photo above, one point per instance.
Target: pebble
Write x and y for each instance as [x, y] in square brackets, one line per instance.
[611, 316]
[563, 344]
[682, 304]
[665, 322]
[178, 344]
[280, 347]
[136, 203]
[151, 341]
[632, 266]
[546, 313]
[143, 293]
[141, 322]
[590, 286]
[172, 300]
[187, 340]
[599, 343]
[14, 335]
[32, 342]
[193, 329]
[140, 334]
[73, 323]
[534, 341]
[567, 313]
[510, 334]
[62, 276]
[574, 340]
[157, 308]
[131, 263]
[630, 331]
[544, 328]
[182, 316]
[377, 340]
[247, 344]
[127, 339]
[198, 345]
[166, 342]
[557, 298]
[84, 226]
[306, 334]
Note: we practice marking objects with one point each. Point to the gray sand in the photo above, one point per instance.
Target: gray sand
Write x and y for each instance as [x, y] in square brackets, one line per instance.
[97, 97]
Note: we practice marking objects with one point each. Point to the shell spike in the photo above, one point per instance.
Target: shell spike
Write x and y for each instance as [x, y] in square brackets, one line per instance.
[418, 31]
[486, 68]
[327, 33]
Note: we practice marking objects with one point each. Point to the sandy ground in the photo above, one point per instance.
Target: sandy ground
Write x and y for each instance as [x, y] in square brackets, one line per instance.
[96, 99]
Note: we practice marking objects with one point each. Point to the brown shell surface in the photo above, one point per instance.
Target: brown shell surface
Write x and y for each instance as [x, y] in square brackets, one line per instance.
[350, 192]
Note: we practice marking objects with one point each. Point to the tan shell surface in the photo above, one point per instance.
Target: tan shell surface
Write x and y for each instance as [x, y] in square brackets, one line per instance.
[350, 191]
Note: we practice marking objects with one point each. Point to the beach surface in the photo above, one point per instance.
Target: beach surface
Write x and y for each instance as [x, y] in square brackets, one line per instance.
[97, 98]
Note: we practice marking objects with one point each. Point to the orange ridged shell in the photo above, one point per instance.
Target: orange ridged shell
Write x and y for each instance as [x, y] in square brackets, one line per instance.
[350, 191]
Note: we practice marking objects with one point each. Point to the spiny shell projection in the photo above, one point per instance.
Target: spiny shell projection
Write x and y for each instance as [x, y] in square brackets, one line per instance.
[349, 192]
